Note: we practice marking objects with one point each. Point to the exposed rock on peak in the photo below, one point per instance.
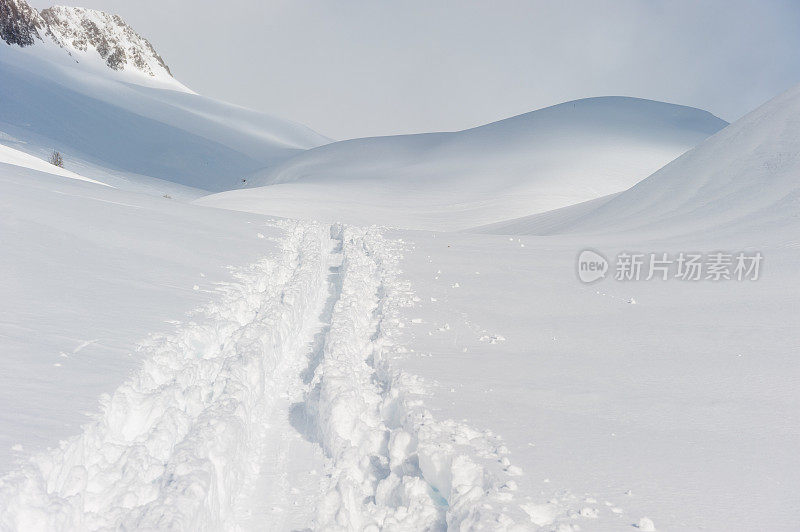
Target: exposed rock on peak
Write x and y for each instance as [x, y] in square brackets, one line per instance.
[20, 24]
[116, 42]
[79, 30]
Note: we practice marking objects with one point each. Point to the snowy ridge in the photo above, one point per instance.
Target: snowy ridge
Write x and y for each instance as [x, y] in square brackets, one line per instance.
[174, 445]
[394, 466]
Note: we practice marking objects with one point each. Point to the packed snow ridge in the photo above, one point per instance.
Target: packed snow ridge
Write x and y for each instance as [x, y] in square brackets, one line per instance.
[179, 443]
[80, 31]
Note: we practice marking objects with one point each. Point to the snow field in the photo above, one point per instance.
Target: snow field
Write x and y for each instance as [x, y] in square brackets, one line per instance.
[175, 444]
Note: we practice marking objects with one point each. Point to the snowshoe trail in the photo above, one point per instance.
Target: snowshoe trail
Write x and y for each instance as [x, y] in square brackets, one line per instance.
[277, 408]
[392, 465]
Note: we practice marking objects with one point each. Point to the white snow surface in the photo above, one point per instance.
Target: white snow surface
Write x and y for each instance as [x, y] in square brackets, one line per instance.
[19, 158]
[530, 163]
[133, 131]
[355, 377]
[743, 181]
[178, 444]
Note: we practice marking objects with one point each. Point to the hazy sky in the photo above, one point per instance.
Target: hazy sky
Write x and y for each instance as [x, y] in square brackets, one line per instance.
[378, 67]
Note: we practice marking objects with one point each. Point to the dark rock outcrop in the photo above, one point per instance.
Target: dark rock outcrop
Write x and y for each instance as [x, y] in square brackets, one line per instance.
[20, 24]
[80, 29]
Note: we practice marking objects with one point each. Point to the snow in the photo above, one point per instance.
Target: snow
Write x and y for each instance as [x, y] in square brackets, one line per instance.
[170, 365]
[132, 132]
[175, 443]
[530, 163]
[740, 182]
[88, 271]
[417, 473]
[18, 158]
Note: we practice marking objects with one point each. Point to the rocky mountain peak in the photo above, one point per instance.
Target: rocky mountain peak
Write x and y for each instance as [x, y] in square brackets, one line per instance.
[116, 42]
[81, 31]
[20, 24]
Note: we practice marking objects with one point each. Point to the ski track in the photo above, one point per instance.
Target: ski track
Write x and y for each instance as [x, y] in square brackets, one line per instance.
[305, 337]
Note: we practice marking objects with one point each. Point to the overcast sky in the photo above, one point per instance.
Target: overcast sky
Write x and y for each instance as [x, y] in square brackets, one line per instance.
[379, 67]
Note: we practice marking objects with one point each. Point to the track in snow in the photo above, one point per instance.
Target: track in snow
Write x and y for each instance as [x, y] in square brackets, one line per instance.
[219, 427]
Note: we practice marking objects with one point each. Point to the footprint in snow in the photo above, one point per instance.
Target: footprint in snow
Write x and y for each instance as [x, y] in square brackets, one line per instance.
[493, 339]
[591, 513]
[646, 525]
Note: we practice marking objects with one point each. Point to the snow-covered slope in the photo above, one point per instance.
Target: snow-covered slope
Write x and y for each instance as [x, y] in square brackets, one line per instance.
[743, 180]
[670, 399]
[531, 163]
[126, 127]
[18, 158]
[87, 271]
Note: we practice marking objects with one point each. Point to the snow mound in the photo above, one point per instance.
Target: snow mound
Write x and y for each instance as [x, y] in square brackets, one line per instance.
[535, 162]
[742, 180]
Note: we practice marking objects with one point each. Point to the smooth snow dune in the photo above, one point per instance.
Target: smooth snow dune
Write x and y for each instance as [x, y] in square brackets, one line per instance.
[530, 163]
[743, 180]
[19, 158]
[131, 126]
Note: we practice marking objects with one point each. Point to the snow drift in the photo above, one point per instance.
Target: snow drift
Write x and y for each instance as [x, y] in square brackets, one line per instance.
[743, 180]
[530, 163]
